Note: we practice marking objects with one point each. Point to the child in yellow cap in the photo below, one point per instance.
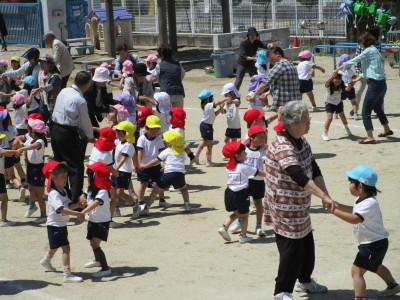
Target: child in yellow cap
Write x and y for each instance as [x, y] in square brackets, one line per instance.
[173, 159]
[149, 146]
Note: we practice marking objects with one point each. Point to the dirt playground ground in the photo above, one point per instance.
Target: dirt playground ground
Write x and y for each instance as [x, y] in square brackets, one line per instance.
[171, 255]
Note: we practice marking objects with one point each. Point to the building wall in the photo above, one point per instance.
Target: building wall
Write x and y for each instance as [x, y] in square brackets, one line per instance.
[54, 17]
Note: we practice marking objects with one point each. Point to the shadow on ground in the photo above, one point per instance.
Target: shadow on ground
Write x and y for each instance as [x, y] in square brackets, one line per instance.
[14, 287]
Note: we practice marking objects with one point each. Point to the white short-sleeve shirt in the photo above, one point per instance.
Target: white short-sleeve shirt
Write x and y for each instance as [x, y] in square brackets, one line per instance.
[371, 228]
[255, 158]
[101, 156]
[35, 156]
[232, 116]
[56, 202]
[127, 149]
[208, 114]
[19, 117]
[151, 147]
[100, 213]
[238, 178]
[257, 103]
[347, 76]
[172, 162]
[334, 98]
[304, 69]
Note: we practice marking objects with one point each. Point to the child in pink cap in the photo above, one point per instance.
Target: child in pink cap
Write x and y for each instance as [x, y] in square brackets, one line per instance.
[151, 63]
[127, 82]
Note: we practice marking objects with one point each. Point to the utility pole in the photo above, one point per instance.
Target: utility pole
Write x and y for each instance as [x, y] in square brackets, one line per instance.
[162, 22]
[226, 19]
[173, 40]
[111, 29]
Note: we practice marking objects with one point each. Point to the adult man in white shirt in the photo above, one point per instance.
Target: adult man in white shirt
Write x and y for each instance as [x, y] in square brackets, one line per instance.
[62, 57]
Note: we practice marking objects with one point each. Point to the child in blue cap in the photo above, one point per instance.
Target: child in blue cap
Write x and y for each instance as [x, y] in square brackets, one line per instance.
[369, 230]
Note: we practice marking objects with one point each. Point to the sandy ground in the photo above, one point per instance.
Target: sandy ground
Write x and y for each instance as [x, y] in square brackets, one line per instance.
[173, 255]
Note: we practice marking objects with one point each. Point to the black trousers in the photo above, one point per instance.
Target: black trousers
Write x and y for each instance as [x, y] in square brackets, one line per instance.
[296, 261]
[241, 71]
[64, 81]
[69, 147]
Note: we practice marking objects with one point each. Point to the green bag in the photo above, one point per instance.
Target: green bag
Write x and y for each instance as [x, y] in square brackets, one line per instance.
[382, 19]
[360, 8]
[372, 8]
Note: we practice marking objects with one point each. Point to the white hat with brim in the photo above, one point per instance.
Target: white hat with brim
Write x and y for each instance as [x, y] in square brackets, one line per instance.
[230, 87]
[101, 74]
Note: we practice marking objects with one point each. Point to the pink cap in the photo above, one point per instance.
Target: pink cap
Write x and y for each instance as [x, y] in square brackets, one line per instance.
[37, 125]
[4, 62]
[127, 67]
[121, 110]
[305, 54]
[18, 99]
[152, 58]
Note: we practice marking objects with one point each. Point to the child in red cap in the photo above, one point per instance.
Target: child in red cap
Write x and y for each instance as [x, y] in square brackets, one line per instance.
[98, 210]
[236, 194]
[59, 210]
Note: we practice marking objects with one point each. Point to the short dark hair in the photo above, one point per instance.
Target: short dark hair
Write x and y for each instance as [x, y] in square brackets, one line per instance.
[369, 191]
[82, 78]
[375, 31]
[32, 53]
[277, 50]
[123, 47]
[164, 51]
[367, 39]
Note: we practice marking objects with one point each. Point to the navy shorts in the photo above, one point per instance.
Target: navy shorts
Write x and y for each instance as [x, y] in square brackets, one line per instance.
[233, 133]
[9, 162]
[370, 256]
[351, 95]
[256, 189]
[122, 181]
[306, 86]
[237, 201]
[98, 230]
[152, 174]
[331, 108]
[176, 179]
[3, 189]
[34, 174]
[58, 236]
[206, 131]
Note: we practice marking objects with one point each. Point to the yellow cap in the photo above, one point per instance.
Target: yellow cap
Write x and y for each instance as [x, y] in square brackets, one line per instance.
[129, 129]
[153, 122]
[2, 136]
[176, 140]
[16, 58]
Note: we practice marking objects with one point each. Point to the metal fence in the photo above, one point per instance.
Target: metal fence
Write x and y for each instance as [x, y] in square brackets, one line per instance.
[205, 16]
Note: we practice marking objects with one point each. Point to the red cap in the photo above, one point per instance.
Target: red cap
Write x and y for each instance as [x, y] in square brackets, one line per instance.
[178, 116]
[279, 127]
[35, 116]
[252, 115]
[255, 129]
[143, 113]
[101, 175]
[229, 150]
[48, 170]
[106, 140]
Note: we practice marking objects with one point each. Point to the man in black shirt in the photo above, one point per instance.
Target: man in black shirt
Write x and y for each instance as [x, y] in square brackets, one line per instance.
[247, 56]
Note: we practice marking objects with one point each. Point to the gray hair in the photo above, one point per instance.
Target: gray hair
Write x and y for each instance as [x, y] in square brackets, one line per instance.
[293, 112]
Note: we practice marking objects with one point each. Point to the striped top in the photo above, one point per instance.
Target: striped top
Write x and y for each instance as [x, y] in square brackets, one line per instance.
[372, 63]
[287, 201]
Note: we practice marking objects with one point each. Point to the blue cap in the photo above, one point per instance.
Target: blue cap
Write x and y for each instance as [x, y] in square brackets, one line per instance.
[364, 174]
[205, 94]
[261, 57]
[30, 80]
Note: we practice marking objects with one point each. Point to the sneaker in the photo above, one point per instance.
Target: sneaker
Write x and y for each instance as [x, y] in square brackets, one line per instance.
[235, 227]
[351, 113]
[243, 239]
[22, 194]
[357, 117]
[92, 264]
[225, 235]
[135, 211]
[283, 296]
[100, 274]
[252, 210]
[187, 207]
[30, 212]
[260, 232]
[144, 210]
[325, 137]
[389, 292]
[115, 224]
[69, 277]
[164, 204]
[348, 131]
[171, 189]
[40, 220]
[117, 212]
[46, 263]
[6, 223]
[312, 287]
[314, 109]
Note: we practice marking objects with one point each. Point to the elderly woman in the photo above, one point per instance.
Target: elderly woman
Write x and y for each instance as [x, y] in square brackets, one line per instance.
[293, 176]
[373, 70]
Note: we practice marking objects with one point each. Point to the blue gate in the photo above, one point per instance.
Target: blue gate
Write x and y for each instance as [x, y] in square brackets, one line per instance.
[77, 10]
[24, 23]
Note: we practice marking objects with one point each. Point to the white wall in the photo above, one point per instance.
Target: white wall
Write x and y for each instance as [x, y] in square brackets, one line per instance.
[54, 17]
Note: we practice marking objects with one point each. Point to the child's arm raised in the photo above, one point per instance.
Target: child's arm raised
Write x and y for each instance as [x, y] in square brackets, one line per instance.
[319, 68]
[333, 75]
[345, 213]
